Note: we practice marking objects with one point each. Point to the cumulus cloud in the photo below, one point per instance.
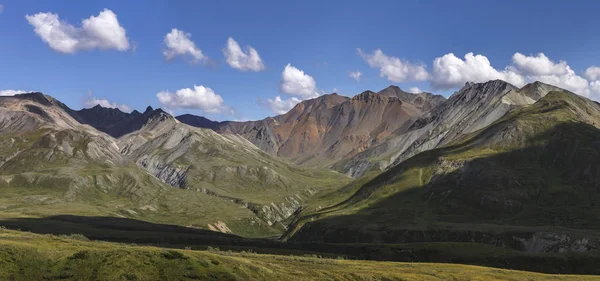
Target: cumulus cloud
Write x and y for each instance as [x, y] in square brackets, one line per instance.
[179, 43]
[355, 75]
[96, 32]
[414, 90]
[539, 65]
[200, 97]
[297, 83]
[92, 101]
[593, 73]
[393, 68]
[541, 68]
[281, 106]
[294, 82]
[450, 71]
[244, 60]
[12, 92]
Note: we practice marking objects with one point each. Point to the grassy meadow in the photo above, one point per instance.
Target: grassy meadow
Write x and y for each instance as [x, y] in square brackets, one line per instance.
[28, 256]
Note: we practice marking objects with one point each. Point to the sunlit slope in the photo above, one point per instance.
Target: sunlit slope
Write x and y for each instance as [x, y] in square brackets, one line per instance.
[536, 167]
[26, 256]
[165, 172]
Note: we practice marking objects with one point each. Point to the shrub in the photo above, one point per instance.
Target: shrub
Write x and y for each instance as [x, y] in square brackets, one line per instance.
[174, 255]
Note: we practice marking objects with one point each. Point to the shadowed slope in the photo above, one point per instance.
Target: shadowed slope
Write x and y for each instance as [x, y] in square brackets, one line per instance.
[474, 107]
[536, 166]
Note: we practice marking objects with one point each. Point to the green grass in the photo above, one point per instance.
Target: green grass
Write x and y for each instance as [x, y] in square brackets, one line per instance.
[27, 256]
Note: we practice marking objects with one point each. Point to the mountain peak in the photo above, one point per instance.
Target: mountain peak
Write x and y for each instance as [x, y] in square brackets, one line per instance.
[537, 90]
[197, 121]
[37, 97]
[149, 109]
[370, 97]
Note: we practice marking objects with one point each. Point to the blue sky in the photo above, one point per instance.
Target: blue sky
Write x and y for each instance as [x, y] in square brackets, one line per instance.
[318, 39]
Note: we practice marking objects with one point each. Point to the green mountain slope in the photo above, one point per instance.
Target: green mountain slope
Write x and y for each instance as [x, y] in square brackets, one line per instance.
[535, 170]
[224, 166]
[50, 164]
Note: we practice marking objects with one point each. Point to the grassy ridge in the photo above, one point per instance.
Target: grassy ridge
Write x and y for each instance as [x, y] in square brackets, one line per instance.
[27, 256]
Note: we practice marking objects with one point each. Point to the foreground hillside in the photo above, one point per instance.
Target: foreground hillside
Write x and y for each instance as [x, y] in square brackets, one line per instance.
[528, 182]
[27, 256]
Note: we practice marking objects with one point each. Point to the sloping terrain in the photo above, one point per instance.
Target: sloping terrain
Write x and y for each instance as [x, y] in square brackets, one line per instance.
[423, 101]
[51, 164]
[112, 120]
[529, 181]
[27, 256]
[321, 131]
[474, 107]
[226, 166]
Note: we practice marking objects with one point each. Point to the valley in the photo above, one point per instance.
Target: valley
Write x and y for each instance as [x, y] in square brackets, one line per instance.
[494, 176]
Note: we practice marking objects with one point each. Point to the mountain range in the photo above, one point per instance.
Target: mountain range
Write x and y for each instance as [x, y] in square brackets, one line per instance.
[493, 163]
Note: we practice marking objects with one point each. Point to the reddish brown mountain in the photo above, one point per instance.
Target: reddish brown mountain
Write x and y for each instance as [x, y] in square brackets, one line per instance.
[330, 128]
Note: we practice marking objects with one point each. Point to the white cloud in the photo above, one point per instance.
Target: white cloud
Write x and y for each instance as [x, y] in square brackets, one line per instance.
[414, 90]
[12, 92]
[200, 97]
[96, 32]
[355, 75]
[179, 44]
[593, 73]
[541, 68]
[538, 65]
[297, 83]
[595, 90]
[281, 106]
[92, 101]
[244, 60]
[450, 71]
[393, 68]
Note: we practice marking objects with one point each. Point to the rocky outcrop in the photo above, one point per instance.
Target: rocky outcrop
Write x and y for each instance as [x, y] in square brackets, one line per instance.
[324, 130]
[474, 107]
[168, 174]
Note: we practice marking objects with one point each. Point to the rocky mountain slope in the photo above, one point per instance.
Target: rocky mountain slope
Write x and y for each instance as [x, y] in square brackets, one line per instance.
[324, 130]
[474, 107]
[163, 171]
[225, 166]
[112, 120]
[528, 181]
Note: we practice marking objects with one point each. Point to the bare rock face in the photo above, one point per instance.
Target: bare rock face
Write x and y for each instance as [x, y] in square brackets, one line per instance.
[324, 130]
[423, 101]
[43, 143]
[225, 166]
[474, 107]
[112, 120]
